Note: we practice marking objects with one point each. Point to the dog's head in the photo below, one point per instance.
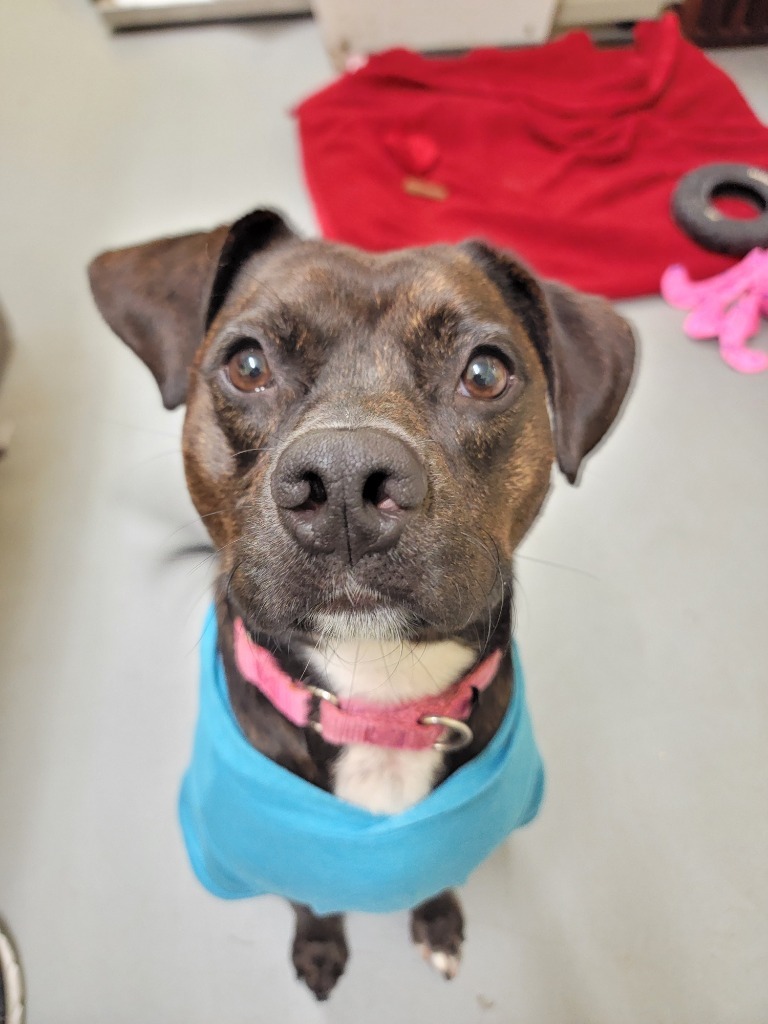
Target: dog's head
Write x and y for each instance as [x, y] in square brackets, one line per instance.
[368, 437]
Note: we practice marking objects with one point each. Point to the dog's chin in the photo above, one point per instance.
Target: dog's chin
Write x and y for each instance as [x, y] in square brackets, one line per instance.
[358, 612]
[385, 623]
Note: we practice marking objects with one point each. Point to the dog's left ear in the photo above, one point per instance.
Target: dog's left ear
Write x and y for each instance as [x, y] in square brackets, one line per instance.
[586, 348]
[160, 297]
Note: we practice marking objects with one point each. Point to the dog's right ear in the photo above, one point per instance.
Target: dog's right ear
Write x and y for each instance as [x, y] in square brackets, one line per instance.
[161, 297]
[586, 349]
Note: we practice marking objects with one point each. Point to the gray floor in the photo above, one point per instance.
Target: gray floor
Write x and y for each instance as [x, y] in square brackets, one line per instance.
[640, 893]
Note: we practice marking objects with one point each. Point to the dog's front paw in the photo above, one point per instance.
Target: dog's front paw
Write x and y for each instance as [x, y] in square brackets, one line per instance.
[319, 953]
[437, 929]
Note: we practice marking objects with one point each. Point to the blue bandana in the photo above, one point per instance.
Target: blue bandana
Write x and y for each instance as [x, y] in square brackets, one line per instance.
[252, 827]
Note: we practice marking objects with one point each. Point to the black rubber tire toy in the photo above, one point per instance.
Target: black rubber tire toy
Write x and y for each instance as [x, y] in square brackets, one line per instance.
[694, 212]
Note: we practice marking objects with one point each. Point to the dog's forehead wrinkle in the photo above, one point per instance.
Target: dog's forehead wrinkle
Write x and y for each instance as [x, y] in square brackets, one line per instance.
[421, 276]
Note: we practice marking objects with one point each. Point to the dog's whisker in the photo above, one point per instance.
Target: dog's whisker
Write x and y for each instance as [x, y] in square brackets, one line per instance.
[228, 585]
[141, 463]
[557, 565]
[142, 428]
[460, 595]
[204, 562]
[248, 451]
[497, 562]
[501, 583]
[247, 274]
[354, 670]
[192, 549]
[519, 589]
[194, 522]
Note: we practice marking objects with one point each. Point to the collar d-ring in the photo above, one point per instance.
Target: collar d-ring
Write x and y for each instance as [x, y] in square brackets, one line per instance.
[457, 734]
[321, 695]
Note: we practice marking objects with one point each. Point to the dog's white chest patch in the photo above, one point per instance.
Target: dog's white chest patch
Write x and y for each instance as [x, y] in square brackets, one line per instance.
[382, 780]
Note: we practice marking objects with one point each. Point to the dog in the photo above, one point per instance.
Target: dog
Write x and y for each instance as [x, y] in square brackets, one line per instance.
[368, 438]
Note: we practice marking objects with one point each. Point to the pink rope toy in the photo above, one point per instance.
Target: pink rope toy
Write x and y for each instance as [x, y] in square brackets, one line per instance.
[727, 306]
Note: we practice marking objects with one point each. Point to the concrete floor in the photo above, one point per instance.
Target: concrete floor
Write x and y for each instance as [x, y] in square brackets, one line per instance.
[639, 895]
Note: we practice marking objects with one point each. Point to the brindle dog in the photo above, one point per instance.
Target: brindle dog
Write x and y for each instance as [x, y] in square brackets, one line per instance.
[367, 438]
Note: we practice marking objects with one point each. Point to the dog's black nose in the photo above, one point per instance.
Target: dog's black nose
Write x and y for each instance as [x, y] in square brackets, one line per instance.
[347, 491]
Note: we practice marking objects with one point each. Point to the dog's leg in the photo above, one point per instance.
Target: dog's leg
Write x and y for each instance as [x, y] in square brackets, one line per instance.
[319, 950]
[437, 928]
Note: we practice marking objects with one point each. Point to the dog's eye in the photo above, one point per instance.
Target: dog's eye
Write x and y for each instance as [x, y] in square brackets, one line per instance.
[486, 376]
[248, 369]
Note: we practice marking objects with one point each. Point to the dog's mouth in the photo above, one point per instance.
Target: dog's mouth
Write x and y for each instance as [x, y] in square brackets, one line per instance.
[405, 599]
[349, 612]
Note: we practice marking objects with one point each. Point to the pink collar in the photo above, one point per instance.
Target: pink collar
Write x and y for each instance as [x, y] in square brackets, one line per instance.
[438, 721]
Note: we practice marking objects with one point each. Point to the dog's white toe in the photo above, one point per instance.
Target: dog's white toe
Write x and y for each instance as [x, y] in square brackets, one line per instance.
[444, 963]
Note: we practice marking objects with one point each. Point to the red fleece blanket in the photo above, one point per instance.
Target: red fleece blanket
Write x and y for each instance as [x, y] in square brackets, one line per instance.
[566, 153]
